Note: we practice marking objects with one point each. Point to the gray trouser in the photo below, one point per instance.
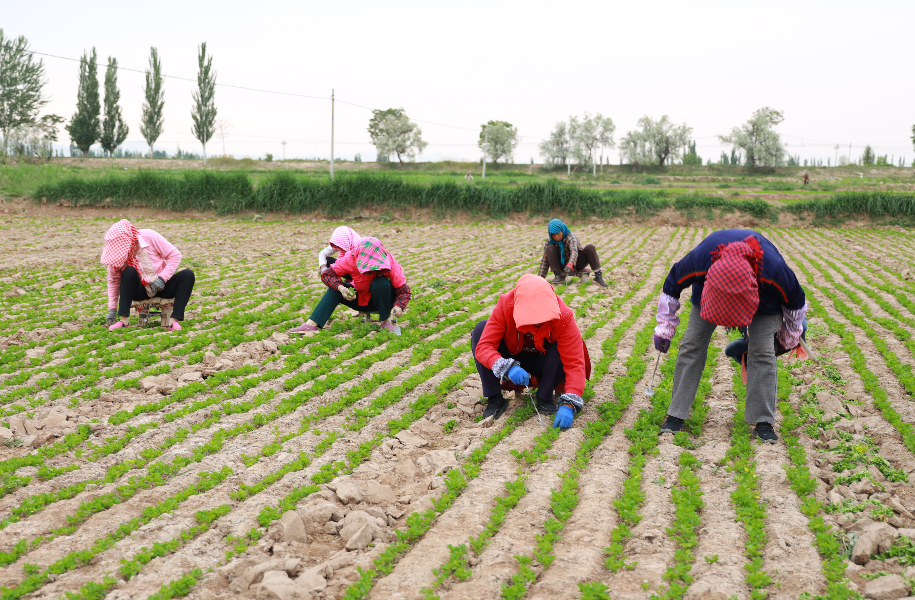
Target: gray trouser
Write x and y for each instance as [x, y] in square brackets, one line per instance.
[762, 378]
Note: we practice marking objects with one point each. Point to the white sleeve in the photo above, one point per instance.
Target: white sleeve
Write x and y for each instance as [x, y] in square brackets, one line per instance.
[323, 254]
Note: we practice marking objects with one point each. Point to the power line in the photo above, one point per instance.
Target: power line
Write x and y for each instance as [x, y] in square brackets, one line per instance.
[813, 143]
[226, 85]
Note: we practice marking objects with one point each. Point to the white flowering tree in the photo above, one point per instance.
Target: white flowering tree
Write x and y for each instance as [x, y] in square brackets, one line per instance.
[556, 149]
[655, 143]
[392, 132]
[501, 138]
[758, 140]
[589, 135]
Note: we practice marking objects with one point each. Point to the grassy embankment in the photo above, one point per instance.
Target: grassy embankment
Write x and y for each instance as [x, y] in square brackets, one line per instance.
[695, 191]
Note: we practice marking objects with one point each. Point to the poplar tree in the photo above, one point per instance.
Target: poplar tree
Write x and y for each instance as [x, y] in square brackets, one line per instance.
[204, 111]
[114, 129]
[153, 119]
[21, 83]
[85, 126]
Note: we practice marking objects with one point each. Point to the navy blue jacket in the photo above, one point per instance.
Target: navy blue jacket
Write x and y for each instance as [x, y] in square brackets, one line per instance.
[778, 285]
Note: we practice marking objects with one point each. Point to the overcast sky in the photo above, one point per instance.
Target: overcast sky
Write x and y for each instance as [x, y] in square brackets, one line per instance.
[841, 71]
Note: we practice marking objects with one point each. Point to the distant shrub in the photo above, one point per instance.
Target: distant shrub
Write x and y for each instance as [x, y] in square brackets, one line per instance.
[647, 181]
[779, 186]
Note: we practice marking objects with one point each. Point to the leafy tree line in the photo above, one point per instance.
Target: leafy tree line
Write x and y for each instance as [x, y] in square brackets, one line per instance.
[22, 79]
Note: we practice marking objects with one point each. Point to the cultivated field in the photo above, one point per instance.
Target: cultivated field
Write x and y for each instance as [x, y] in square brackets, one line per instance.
[230, 461]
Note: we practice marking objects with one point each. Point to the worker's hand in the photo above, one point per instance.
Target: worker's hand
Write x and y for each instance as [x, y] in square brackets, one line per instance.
[519, 376]
[112, 317]
[780, 348]
[661, 344]
[563, 418]
[347, 293]
[568, 269]
[396, 311]
[156, 286]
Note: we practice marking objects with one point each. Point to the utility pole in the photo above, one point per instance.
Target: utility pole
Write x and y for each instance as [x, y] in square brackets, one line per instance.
[485, 149]
[284, 149]
[332, 134]
[849, 152]
[837, 155]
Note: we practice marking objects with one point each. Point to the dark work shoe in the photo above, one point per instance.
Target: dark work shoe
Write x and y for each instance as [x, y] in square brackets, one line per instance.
[495, 406]
[766, 433]
[558, 278]
[672, 425]
[599, 278]
[546, 408]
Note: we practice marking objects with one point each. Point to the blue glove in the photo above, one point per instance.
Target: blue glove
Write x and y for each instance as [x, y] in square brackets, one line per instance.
[563, 418]
[519, 376]
[661, 345]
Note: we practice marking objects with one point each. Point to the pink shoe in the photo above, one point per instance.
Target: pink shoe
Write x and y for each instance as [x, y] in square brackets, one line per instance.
[175, 326]
[305, 328]
[391, 327]
[118, 325]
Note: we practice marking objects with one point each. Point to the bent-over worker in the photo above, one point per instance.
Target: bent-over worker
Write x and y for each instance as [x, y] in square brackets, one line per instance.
[739, 279]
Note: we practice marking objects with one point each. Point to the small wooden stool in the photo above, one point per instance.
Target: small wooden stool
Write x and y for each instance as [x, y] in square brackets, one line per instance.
[155, 307]
[582, 277]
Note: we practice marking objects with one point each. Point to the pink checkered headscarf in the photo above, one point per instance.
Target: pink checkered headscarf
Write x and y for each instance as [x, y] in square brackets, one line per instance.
[344, 237]
[371, 256]
[121, 245]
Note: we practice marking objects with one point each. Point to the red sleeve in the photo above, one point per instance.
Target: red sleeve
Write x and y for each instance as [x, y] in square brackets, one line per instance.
[571, 352]
[402, 296]
[488, 346]
[331, 279]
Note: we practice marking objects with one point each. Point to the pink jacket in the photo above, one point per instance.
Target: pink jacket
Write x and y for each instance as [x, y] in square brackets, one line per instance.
[164, 256]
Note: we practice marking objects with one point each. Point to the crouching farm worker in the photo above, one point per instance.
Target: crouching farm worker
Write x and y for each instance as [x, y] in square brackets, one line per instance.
[739, 279]
[379, 285]
[142, 264]
[564, 255]
[738, 349]
[532, 332]
[342, 240]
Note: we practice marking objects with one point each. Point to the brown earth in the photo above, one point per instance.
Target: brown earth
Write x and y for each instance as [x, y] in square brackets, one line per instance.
[255, 279]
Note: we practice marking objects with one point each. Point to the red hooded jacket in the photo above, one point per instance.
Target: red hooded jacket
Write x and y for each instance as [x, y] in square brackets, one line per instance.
[564, 331]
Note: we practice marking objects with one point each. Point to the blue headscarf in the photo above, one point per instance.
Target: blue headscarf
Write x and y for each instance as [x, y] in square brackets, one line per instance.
[557, 226]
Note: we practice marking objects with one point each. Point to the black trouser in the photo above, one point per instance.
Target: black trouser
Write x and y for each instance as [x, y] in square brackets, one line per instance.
[547, 367]
[586, 257]
[382, 301]
[178, 287]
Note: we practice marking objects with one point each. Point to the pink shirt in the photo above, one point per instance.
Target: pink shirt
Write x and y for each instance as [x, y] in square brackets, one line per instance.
[346, 265]
[164, 256]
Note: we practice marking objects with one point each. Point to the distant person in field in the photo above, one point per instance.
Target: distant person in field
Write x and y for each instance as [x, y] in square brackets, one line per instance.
[564, 255]
[739, 279]
[532, 332]
[806, 179]
[378, 285]
[142, 264]
[342, 240]
[468, 176]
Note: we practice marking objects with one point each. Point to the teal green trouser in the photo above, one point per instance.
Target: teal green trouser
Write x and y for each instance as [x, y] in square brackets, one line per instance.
[381, 301]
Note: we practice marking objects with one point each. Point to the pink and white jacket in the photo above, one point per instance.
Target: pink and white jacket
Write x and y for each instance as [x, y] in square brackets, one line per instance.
[165, 260]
